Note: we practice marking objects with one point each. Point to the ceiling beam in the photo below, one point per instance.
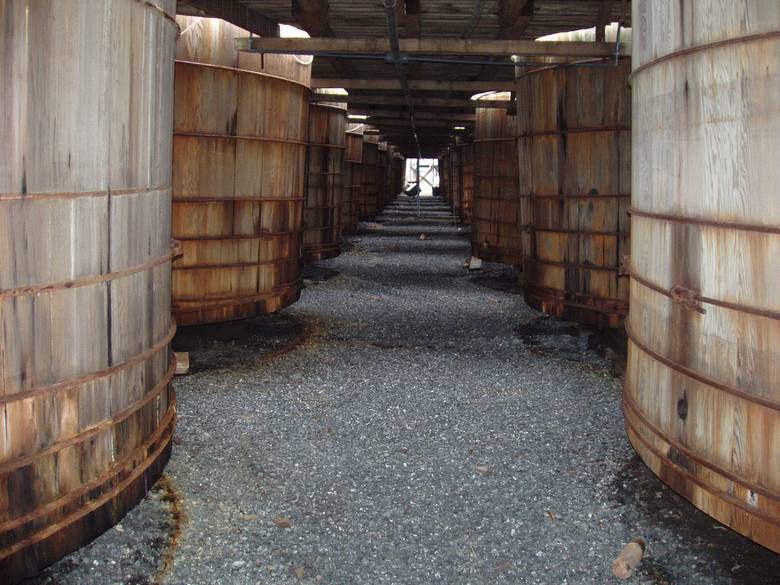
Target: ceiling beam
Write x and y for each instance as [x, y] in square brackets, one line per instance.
[514, 16]
[419, 84]
[313, 16]
[379, 100]
[402, 114]
[380, 122]
[236, 14]
[436, 46]
[605, 8]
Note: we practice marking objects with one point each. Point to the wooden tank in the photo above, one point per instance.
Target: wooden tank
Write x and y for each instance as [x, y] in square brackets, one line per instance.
[454, 182]
[383, 175]
[324, 181]
[369, 175]
[85, 326]
[702, 390]
[352, 177]
[399, 168]
[496, 227]
[465, 154]
[445, 189]
[574, 148]
[240, 128]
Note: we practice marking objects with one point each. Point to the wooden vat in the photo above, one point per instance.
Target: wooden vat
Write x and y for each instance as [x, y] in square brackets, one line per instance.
[238, 176]
[495, 235]
[384, 177]
[702, 390]
[445, 189]
[574, 148]
[324, 182]
[369, 174]
[454, 182]
[85, 326]
[353, 160]
[465, 153]
[399, 167]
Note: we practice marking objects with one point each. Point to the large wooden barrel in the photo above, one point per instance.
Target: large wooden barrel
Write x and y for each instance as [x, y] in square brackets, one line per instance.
[240, 129]
[445, 187]
[324, 181]
[454, 182]
[465, 171]
[495, 235]
[352, 162]
[384, 176]
[369, 174]
[574, 148]
[87, 409]
[702, 390]
[398, 164]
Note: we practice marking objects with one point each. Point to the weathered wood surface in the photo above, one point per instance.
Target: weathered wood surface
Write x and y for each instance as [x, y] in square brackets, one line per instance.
[86, 407]
[702, 390]
[496, 224]
[368, 200]
[238, 177]
[352, 177]
[324, 182]
[574, 152]
[465, 172]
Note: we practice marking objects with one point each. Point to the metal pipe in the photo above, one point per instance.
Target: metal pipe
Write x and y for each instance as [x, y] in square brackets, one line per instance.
[392, 34]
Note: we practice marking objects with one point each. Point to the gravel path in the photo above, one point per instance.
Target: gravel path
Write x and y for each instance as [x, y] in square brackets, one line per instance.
[412, 437]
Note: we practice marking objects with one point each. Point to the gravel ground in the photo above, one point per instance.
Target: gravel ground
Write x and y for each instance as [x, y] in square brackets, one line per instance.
[427, 428]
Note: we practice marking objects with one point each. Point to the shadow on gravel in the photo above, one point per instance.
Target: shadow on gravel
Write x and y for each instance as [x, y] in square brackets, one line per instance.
[502, 279]
[568, 340]
[222, 346]
[646, 501]
[316, 274]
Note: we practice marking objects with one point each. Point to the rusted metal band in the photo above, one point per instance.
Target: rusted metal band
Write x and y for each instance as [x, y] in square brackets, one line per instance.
[704, 47]
[322, 229]
[573, 265]
[608, 306]
[501, 139]
[315, 207]
[260, 236]
[88, 280]
[78, 195]
[630, 405]
[253, 264]
[93, 430]
[766, 313]
[764, 229]
[211, 303]
[509, 199]
[353, 161]
[94, 376]
[533, 228]
[588, 196]
[497, 221]
[159, 439]
[326, 174]
[510, 178]
[245, 71]
[156, 8]
[233, 199]
[582, 130]
[237, 137]
[699, 377]
[327, 145]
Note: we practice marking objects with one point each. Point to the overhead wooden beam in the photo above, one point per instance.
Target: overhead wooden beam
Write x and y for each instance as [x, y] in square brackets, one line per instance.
[437, 46]
[605, 8]
[418, 85]
[237, 14]
[418, 114]
[514, 16]
[313, 16]
[419, 123]
[379, 100]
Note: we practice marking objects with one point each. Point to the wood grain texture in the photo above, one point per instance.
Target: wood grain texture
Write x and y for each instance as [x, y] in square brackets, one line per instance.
[368, 198]
[240, 129]
[465, 175]
[702, 389]
[496, 224]
[352, 177]
[86, 407]
[324, 182]
[574, 152]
